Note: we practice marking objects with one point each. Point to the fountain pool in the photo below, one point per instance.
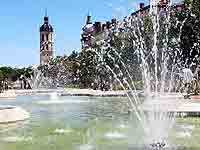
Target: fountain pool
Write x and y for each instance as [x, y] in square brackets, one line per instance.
[85, 123]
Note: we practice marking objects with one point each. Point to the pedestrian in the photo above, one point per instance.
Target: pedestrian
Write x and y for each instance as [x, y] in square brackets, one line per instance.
[196, 81]
[188, 77]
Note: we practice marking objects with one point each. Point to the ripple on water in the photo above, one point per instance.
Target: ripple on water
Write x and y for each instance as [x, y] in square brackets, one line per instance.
[62, 131]
[86, 147]
[122, 126]
[184, 134]
[12, 126]
[185, 131]
[14, 139]
[187, 127]
[49, 102]
[115, 135]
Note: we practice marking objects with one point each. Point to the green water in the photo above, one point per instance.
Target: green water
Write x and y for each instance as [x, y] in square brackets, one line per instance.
[83, 123]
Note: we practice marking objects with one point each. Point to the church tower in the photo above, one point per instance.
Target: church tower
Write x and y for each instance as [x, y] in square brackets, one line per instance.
[46, 42]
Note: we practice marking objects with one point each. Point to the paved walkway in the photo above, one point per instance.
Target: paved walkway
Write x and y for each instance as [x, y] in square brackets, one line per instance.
[8, 94]
[71, 92]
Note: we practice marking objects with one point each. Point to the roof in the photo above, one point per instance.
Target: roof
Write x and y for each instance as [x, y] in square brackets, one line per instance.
[141, 10]
[46, 26]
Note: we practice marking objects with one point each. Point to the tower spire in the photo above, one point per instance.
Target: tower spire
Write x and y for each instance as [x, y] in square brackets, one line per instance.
[46, 12]
[89, 13]
[89, 18]
[46, 18]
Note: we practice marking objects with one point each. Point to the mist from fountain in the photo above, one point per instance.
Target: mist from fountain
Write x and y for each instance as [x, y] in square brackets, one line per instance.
[160, 65]
[38, 80]
[49, 76]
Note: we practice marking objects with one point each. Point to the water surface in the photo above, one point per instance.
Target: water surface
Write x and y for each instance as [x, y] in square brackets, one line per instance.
[81, 123]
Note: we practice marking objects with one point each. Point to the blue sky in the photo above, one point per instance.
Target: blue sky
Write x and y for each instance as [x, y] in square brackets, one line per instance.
[20, 21]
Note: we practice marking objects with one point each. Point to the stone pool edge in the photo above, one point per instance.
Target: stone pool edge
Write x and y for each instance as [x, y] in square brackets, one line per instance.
[12, 114]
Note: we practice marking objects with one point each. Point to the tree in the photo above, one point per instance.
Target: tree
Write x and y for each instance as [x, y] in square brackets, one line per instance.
[190, 37]
[88, 68]
[194, 6]
[1, 76]
[73, 55]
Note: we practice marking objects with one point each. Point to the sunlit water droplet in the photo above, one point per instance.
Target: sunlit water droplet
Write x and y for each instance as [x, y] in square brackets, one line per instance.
[115, 135]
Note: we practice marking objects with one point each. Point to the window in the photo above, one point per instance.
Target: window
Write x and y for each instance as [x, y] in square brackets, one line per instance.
[42, 37]
[47, 47]
[47, 37]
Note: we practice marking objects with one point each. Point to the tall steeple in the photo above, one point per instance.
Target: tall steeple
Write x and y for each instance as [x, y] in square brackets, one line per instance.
[89, 19]
[46, 41]
[46, 18]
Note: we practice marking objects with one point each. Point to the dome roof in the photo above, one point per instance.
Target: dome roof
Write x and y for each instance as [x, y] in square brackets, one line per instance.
[46, 27]
[88, 28]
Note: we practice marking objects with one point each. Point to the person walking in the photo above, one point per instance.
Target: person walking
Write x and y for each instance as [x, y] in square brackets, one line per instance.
[196, 80]
[188, 77]
[1, 86]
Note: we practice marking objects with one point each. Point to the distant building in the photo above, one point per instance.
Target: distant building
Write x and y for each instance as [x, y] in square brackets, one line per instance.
[46, 42]
[88, 31]
[93, 32]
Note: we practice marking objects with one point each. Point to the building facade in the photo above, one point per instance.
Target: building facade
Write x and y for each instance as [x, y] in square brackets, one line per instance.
[93, 32]
[46, 42]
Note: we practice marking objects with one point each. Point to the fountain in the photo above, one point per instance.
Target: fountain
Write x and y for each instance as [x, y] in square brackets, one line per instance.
[154, 59]
[155, 52]
[159, 58]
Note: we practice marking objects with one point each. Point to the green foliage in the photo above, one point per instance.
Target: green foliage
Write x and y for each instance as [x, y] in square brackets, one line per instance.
[194, 5]
[14, 73]
[72, 64]
[73, 56]
[56, 60]
[1, 75]
[190, 33]
[88, 65]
